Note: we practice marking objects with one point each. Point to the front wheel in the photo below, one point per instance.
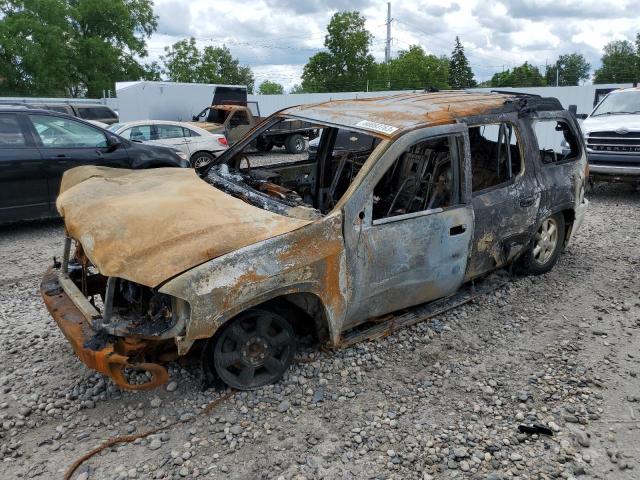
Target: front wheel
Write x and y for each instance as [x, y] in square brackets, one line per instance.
[546, 246]
[252, 350]
[295, 143]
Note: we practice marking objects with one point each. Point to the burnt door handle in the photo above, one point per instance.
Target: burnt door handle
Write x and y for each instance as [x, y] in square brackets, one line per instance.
[527, 202]
[457, 230]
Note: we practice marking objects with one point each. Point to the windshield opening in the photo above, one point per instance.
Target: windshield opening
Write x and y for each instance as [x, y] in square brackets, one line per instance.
[294, 167]
[619, 103]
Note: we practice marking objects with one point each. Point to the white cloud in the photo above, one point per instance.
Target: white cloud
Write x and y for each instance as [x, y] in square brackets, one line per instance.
[276, 37]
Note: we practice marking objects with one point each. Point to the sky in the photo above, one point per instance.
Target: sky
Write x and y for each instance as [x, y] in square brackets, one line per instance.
[276, 37]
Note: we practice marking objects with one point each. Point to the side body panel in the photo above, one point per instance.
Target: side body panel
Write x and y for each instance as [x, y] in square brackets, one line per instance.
[408, 259]
[505, 215]
[563, 183]
[23, 182]
[170, 136]
[306, 260]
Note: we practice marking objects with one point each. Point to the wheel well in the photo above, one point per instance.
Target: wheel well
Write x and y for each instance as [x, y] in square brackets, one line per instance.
[208, 152]
[305, 311]
[569, 216]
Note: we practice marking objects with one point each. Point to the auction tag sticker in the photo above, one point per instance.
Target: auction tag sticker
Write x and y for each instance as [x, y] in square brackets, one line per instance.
[378, 127]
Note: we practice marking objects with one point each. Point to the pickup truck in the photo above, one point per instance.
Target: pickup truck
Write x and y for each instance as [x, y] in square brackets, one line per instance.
[235, 120]
[612, 137]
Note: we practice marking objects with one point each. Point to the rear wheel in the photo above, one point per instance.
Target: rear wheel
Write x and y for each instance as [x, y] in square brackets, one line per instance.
[545, 247]
[201, 159]
[252, 350]
[263, 145]
[295, 143]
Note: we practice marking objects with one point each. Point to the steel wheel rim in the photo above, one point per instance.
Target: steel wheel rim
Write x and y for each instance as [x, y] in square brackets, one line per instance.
[201, 161]
[254, 350]
[300, 144]
[545, 241]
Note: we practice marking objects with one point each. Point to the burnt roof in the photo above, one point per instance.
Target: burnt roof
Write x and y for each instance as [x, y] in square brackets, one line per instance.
[390, 115]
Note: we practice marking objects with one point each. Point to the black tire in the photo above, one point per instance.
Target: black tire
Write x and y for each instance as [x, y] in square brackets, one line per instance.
[545, 248]
[263, 145]
[252, 350]
[295, 143]
[200, 160]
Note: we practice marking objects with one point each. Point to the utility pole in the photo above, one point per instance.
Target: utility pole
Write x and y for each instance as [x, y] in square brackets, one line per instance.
[387, 50]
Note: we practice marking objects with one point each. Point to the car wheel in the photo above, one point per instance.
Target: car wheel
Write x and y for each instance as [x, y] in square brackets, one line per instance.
[295, 143]
[545, 247]
[252, 350]
[201, 159]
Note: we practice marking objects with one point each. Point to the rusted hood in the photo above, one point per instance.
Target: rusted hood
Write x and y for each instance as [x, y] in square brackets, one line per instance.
[150, 225]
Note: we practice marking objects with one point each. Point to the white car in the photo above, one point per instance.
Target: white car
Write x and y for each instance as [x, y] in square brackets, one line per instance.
[200, 146]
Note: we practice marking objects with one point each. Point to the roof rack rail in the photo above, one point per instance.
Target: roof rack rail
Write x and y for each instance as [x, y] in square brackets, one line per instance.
[517, 94]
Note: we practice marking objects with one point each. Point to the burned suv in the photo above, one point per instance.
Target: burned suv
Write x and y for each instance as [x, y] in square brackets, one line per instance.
[234, 264]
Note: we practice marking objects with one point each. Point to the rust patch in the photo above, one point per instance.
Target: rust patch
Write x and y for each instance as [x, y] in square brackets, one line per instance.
[150, 225]
[403, 111]
[109, 358]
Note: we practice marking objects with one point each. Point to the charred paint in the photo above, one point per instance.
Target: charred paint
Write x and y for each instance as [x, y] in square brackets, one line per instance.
[222, 255]
[107, 356]
[150, 225]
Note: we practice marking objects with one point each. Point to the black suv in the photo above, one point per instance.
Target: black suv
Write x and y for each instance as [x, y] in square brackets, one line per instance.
[37, 146]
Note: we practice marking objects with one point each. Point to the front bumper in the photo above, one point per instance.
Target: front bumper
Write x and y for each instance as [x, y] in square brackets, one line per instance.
[614, 167]
[107, 354]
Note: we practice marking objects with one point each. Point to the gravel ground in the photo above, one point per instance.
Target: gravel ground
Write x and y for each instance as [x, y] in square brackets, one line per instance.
[442, 399]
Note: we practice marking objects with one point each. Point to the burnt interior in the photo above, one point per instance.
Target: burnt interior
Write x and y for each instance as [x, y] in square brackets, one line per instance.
[424, 177]
[317, 182]
[495, 155]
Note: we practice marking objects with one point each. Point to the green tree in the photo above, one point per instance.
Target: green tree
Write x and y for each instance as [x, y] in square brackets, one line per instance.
[181, 61]
[297, 88]
[270, 88]
[413, 69]
[184, 62]
[347, 61]
[72, 47]
[568, 70]
[526, 75]
[460, 73]
[217, 65]
[620, 62]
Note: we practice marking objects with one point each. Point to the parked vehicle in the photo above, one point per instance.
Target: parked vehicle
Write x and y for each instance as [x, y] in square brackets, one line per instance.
[234, 121]
[612, 136]
[86, 111]
[453, 186]
[200, 146]
[38, 146]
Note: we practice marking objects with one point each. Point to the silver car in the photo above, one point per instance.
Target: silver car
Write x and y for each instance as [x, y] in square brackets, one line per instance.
[200, 146]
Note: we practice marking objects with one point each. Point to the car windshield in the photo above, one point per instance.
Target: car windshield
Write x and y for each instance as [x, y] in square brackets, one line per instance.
[619, 103]
[114, 127]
